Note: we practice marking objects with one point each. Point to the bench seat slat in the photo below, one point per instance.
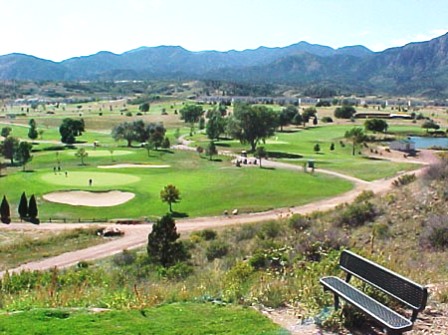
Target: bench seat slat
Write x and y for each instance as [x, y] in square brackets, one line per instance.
[368, 305]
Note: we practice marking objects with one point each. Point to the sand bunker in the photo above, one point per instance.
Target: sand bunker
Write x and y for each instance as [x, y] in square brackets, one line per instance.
[91, 199]
[119, 166]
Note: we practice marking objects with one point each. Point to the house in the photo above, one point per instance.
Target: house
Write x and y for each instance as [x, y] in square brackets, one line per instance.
[402, 145]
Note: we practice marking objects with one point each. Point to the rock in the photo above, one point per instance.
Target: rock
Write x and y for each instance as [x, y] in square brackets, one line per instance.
[112, 231]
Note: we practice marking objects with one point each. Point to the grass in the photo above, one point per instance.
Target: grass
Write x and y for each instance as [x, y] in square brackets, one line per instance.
[81, 179]
[172, 319]
[24, 248]
[207, 188]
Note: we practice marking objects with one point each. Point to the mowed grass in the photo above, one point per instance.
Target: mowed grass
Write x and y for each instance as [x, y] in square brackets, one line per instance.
[81, 179]
[206, 187]
[173, 319]
[301, 142]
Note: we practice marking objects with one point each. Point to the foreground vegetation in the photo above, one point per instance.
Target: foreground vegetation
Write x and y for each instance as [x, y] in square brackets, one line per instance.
[173, 319]
[272, 264]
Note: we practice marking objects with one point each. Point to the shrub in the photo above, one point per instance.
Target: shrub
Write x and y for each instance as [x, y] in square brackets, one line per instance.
[327, 119]
[216, 249]
[179, 270]
[435, 233]
[438, 171]
[128, 114]
[356, 214]
[299, 222]
[269, 230]
[124, 258]
[246, 232]
[364, 196]
[208, 234]
[404, 180]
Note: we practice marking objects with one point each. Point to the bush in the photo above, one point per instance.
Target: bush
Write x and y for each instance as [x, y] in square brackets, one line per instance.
[124, 258]
[208, 234]
[327, 119]
[299, 222]
[435, 233]
[356, 214]
[246, 232]
[269, 230]
[404, 180]
[179, 270]
[216, 249]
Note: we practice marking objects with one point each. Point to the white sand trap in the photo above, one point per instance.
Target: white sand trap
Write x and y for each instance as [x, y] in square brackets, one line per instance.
[143, 166]
[91, 199]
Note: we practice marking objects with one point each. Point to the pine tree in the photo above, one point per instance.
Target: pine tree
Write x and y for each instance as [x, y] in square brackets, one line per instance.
[32, 208]
[23, 206]
[163, 247]
[5, 213]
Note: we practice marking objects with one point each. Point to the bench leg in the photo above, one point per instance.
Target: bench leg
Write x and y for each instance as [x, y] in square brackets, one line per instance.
[336, 302]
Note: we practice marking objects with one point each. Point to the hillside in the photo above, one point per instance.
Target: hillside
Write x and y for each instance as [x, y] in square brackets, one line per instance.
[415, 69]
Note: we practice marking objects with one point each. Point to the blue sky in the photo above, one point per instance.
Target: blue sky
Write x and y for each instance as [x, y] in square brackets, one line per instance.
[60, 29]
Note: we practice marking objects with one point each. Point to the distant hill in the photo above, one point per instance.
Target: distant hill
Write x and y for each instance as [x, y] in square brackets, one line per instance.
[415, 69]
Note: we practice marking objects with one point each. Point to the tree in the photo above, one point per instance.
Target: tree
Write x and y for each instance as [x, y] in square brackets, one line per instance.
[211, 150]
[171, 195]
[131, 131]
[9, 148]
[6, 131]
[23, 206]
[261, 153]
[430, 124]
[215, 125]
[156, 134]
[32, 210]
[82, 154]
[376, 125]
[163, 247]
[23, 153]
[144, 107]
[5, 212]
[356, 136]
[286, 116]
[309, 113]
[252, 124]
[344, 112]
[297, 119]
[191, 113]
[166, 143]
[316, 148]
[70, 128]
[32, 132]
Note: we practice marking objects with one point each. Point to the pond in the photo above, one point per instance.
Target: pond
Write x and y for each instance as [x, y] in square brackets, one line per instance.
[429, 142]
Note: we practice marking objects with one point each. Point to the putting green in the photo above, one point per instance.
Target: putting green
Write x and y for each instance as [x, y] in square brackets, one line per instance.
[81, 179]
[103, 153]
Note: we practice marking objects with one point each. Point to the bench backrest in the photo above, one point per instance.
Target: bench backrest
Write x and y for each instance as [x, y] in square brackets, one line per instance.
[402, 289]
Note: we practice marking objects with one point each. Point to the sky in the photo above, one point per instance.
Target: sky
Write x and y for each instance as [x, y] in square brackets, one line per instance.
[61, 29]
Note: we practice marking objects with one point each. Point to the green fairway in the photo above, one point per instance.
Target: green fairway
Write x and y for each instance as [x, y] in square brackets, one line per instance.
[103, 153]
[81, 179]
[174, 319]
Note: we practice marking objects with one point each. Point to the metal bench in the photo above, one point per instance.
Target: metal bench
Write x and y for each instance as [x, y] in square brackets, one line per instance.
[402, 289]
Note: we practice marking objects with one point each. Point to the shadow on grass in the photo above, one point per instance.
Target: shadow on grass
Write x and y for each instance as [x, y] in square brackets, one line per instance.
[225, 145]
[175, 214]
[267, 168]
[277, 154]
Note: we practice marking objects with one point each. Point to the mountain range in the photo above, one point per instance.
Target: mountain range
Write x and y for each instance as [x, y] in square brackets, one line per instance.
[414, 69]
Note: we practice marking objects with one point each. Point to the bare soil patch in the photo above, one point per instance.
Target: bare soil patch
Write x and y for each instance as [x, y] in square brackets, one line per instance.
[92, 199]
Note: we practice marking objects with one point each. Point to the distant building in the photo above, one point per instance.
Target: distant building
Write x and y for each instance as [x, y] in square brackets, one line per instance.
[403, 145]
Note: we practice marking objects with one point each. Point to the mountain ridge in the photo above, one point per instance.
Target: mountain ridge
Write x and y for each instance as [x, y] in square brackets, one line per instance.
[417, 68]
